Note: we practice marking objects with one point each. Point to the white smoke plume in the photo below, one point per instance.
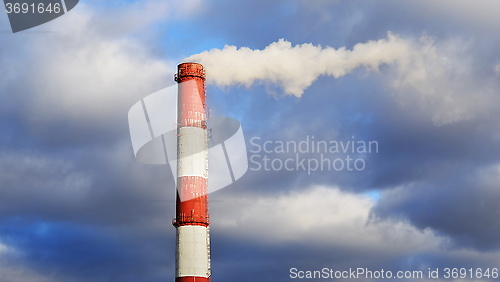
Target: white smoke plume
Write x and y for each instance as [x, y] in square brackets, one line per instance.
[439, 78]
[296, 67]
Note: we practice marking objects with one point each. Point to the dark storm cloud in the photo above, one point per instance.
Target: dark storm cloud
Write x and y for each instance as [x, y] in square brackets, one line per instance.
[65, 250]
[74, 196]
[411, 147]
[75, 204]
[414, 148]
[119, 209]
[465, 208]
[272, 262]
[103, 187]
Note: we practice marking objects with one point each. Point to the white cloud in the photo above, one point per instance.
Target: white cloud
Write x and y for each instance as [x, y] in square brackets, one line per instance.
[331, 219]
[3, 248]
[320, 215]
[93, 64]
[83, 74]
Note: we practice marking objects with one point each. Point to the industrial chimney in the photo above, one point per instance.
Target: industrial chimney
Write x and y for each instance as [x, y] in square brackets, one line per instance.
[192, 254]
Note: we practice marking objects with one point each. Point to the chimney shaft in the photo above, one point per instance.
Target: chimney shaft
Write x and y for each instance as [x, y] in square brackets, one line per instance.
[192, 256]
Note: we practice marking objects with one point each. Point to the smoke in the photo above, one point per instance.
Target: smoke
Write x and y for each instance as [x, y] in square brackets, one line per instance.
[439, 78]
[295, 68]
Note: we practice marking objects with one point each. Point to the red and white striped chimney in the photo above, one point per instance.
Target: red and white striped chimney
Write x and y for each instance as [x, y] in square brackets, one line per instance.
[192, 254]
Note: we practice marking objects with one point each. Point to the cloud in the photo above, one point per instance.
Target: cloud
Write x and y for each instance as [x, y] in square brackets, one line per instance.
[58, 251]
[101, 187]
[473, 199]
[88, 67]
[18, 273]
[67, 162]
[445, 81]
[322, 216]
[482, 12]
[82, 75]
[321, 226]
[86, 176]
[14, 271]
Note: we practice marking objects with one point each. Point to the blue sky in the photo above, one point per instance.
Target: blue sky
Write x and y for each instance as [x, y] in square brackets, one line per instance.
[75, 205]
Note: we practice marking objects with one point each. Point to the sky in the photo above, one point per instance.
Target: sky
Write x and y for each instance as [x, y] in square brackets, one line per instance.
[420, 80]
